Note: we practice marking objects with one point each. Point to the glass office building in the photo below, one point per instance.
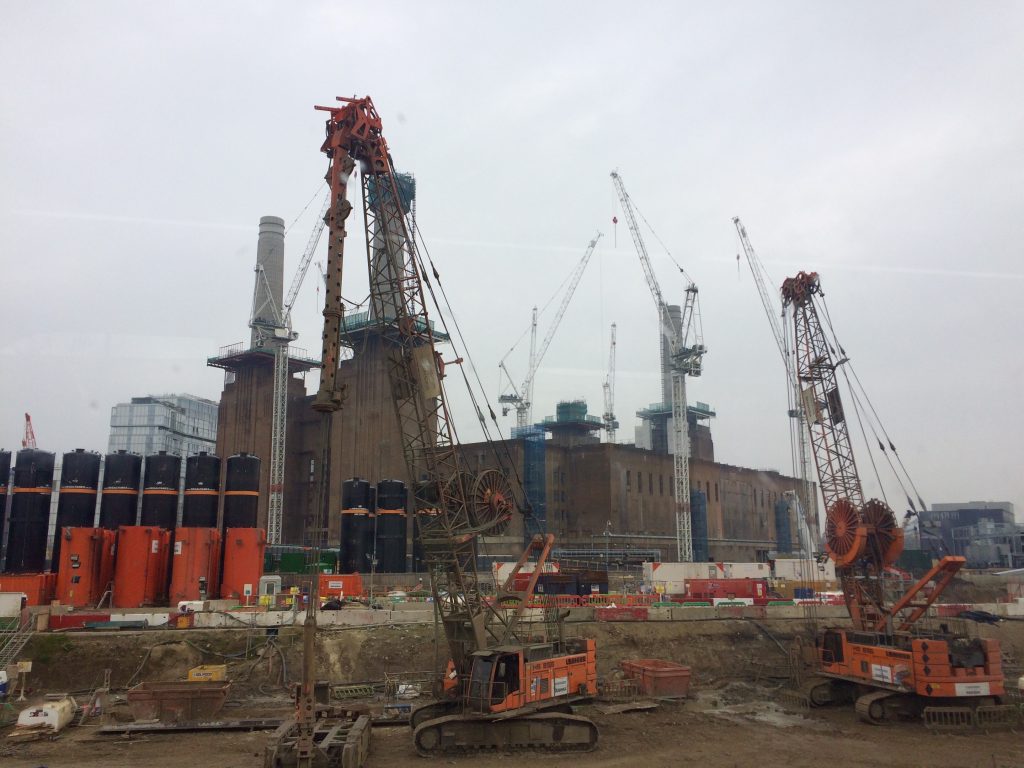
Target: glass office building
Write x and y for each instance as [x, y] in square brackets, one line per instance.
[179, 424]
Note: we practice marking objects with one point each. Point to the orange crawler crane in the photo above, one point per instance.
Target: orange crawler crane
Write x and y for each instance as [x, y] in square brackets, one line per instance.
[504, 690]
[887, 664]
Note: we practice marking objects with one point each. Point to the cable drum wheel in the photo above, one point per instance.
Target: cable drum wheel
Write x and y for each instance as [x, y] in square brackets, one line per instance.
[456, 487]
[492, 503]
[885, 537]
[845, 533]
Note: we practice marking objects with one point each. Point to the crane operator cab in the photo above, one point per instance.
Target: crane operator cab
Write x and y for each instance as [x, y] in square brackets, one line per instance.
[540, 675]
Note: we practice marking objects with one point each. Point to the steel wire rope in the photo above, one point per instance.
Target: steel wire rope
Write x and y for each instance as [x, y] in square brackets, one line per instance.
[877, 419]
[415, 252]
[656, 237]
[540, 312]
[306, 206]
[860, 422]
[469, 388]
[859, 407]
[413, 228]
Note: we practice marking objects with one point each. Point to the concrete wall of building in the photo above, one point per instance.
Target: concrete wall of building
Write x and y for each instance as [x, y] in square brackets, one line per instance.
[245, 420]
[590, 486]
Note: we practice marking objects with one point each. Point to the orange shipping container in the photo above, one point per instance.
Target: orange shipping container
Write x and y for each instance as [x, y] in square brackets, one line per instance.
[140, 575]
[195, 564]
[86, 565]
[340, 585]
[38, 587]
[243, 564]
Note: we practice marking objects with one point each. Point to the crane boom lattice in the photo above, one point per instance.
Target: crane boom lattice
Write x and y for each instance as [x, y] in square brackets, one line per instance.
[797, 433]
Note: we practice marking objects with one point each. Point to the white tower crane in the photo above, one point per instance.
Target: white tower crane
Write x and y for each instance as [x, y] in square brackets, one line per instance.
[610, 422]
[522, 399]
[276, 333]
[686, 360]
[797, 433]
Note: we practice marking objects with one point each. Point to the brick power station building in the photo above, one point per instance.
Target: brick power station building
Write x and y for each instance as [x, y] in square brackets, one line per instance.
[591, 495]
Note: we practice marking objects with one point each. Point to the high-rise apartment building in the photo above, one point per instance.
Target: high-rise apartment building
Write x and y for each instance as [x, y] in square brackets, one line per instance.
[179, 424]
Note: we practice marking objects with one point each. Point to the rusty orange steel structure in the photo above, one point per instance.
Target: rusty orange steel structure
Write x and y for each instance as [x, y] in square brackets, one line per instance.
[494, 663]
[886, 663]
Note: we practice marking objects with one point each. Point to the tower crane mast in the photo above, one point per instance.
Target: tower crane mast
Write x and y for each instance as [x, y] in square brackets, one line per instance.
[29, 439]
[522, 399]
[685, 360]
[797, 433]
[610, 422]
[277, 334]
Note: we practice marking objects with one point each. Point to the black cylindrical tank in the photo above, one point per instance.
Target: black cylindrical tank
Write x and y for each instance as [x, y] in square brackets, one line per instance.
[30, 512]
[699, 525]
[119, 501]
[355, 493]
[76, 504]
[202, 486]
[241, 491]
[391, 526]
[160, 485]
[356, 546]
[783, 529]
[5, 479]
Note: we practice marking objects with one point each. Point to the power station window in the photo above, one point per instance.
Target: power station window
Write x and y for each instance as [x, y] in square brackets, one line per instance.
[639, 482]
[628, 486]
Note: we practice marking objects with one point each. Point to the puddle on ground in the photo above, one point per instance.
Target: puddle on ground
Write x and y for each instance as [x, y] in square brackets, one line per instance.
[742, 702]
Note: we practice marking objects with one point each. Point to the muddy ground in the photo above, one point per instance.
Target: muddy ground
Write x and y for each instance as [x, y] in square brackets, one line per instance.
[731, 718]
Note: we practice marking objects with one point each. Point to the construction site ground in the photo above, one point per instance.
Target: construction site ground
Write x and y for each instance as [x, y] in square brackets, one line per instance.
[731, 718]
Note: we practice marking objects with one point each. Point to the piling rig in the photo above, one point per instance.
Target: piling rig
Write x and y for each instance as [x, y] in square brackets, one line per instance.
[503, 689]
[888, 664]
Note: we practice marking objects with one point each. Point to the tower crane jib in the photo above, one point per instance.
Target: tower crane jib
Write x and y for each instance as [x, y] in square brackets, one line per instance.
[523, 399]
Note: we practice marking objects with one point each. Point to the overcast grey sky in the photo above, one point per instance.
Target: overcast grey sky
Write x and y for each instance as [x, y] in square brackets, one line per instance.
[877, 143]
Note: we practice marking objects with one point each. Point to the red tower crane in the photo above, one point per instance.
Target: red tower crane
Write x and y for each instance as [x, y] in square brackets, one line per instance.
[29, 440]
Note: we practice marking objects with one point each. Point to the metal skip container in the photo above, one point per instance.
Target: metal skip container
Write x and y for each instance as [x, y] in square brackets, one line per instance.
[140, 575]
[177, 701]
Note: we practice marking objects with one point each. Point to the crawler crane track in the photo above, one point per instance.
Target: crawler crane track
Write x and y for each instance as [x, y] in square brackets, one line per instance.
[542, 731]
